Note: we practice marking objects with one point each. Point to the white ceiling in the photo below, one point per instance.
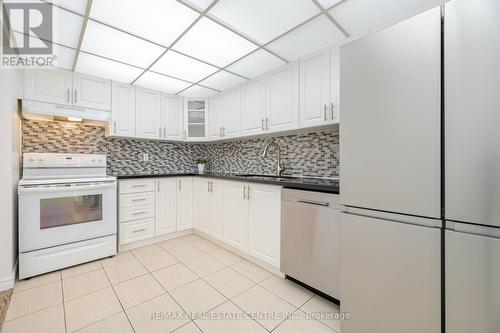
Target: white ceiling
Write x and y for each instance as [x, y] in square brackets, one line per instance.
[199, 47]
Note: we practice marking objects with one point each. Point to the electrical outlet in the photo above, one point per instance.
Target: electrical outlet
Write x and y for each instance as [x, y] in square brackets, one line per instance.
[145, 157]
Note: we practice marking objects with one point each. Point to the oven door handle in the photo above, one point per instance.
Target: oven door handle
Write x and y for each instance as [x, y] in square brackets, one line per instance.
[65, 188]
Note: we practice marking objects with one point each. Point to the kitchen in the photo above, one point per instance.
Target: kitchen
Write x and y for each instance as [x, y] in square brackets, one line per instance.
[210, 166]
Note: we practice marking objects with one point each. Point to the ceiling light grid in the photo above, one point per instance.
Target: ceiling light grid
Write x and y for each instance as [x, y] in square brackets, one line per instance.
[330, 17]
[82, 33]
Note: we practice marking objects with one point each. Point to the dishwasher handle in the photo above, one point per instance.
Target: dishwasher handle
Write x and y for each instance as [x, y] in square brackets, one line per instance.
[312, 202]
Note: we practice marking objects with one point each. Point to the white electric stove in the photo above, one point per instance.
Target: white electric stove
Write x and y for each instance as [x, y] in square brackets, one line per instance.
[67, 212]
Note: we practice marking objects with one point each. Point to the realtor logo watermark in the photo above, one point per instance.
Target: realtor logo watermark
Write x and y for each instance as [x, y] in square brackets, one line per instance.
[26, 44]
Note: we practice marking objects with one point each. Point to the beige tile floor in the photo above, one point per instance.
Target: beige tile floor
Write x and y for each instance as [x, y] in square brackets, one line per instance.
[187, 284]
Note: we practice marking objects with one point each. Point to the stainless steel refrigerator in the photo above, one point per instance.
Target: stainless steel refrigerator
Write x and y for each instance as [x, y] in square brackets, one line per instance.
[472, 165]
[390, 173]
[420, 174]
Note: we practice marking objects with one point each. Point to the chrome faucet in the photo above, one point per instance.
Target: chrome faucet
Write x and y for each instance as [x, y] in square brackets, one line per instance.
[279, 167]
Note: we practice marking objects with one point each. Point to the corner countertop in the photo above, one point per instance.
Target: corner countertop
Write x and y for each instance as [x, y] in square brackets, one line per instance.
[326, 185]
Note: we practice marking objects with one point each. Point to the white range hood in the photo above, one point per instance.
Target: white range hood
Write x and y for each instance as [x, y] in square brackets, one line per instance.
[49, 111]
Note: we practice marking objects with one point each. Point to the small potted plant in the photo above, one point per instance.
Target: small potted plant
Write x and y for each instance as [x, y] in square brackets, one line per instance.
[201, 164]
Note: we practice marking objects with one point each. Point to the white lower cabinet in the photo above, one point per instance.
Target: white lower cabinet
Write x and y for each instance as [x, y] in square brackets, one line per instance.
[264, 227]
[184, 203]
[200, 198]
[236, 215]
[215, 208]
[166, 206]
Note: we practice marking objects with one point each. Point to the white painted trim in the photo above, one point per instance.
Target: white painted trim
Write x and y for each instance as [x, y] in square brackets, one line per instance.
[8, 283]
[153, 240]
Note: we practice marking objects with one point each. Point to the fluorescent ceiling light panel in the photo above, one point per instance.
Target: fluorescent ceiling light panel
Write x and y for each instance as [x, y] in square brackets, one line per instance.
[256, 64]
[310, 37]
[222, 80]
[111, 43]
[160, 21]
[361, 17]
[213, 43]
[78, 6]
[198, 91]
[200, 4]
[64, 56]
[161, 82]
[67, 27]
[328, 3]
[182, 67]
[97, 66]
[264, 20]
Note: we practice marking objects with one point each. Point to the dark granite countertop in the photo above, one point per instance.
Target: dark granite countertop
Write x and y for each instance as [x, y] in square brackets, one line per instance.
[326, 185]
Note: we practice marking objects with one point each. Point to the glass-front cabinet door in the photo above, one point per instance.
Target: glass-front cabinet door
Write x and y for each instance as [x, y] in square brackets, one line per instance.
[196, 118]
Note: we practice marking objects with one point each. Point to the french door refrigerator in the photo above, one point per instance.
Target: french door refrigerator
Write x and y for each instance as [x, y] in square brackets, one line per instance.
[390, 171]
[472, 165]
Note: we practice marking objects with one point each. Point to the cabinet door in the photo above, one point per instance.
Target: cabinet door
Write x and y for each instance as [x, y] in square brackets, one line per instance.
[91, 92]
[253, 106]
[231, 116]
[283, 98]
[200, 205]
[215, 209]
[166, 206]
[215, 114]
[334, 84]
[235, 215]
[390, 275]
[171, 118]
[184, 203]
[148, 113]
[265, 223]
[195, 118]
[51, 86]
[123, 110]
[315, 89]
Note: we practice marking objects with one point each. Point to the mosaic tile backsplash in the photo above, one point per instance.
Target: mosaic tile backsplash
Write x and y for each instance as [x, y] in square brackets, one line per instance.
[314, 154]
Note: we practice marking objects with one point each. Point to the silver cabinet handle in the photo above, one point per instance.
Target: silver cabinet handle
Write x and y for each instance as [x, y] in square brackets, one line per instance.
[114, 126]
[220, 131]
[248, 192]
[142, 212]
[158, 189]
[244, 194]
[223, 131]
[159, 131]
[263, 124]
[137, 200]
[208, 187]
[67, 95]
[164, 132]
[267, 124]
[140, 230]
[316, 203]
[331, 110]
[75, 96]
[139, 185]
[211, 187]
[180, 185]
[325, 112]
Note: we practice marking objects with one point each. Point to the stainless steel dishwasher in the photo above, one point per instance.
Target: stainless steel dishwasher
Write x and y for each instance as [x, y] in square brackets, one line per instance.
[310, 239]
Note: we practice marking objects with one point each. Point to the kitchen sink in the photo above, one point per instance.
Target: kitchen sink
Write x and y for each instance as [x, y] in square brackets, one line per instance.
[267, 176]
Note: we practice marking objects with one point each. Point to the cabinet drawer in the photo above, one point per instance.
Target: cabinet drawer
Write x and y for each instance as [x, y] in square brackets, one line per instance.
[136, 213]
[136, 230]
[136, 186]
[137, 199]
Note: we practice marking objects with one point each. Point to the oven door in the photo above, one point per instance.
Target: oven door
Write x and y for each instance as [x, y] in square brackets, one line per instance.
[51, 215]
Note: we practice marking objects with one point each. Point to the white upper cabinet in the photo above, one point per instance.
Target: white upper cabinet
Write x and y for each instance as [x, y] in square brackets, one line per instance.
[315, 90]
[283, 98]
[184, 203]
[231, 116]
[215, 115]
[91, 92]
[253, 106]
[123, 110]
[166, 206]
[67, 88]
[148, 113]
[334, 84]
[51, 86]
[195, 118]
[171, 118]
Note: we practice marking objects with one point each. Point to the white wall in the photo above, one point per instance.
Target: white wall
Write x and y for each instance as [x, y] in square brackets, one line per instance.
[9, 174]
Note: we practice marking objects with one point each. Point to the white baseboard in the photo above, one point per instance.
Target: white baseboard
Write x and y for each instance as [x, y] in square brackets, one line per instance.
[154, 240]
[8, 283]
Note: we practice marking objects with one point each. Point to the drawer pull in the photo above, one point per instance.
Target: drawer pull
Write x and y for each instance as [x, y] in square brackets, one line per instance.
[137, 200]
[137, 231]
[140, 185]
[139, 213]
[317, 203]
